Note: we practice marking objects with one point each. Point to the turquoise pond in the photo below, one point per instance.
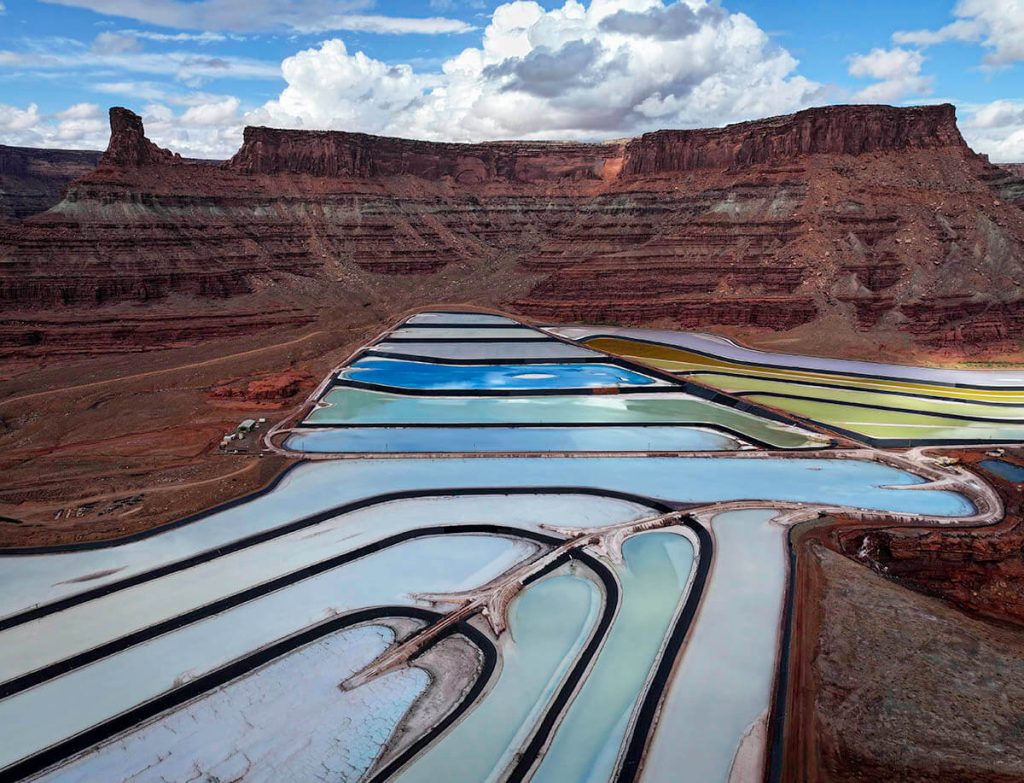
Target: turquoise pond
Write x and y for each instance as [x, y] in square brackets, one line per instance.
[350, 406]
[541, 646]
[529, 526]
[401, 374]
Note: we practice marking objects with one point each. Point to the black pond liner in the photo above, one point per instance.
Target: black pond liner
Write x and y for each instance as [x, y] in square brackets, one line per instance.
[702, 392]
[468, 340]
[775, 749]
[529, 753]
[720, 428]
[632, 760]
[695, 390]
[643, 723]
[640, 731]
[264, 535]
[541, 736]
[142, 635]
[578, 391]
[890, 408]
[678, 386]
[510, 324]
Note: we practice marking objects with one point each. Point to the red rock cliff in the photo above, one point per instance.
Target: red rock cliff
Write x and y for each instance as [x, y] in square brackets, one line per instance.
[361, 156]
[129, 148]
[851, 223]
[832, 130]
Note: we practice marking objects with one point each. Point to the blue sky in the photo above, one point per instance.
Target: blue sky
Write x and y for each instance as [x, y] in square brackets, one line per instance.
[199, 70]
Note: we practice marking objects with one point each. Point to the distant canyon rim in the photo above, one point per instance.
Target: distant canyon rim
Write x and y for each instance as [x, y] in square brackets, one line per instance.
[851, 230]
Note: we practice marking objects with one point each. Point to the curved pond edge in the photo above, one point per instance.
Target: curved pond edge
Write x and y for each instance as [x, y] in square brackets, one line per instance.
[197, 687]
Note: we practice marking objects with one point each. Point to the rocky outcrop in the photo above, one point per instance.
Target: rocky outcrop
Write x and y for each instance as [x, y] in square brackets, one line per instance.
[832, 130]
[887, 684]
[1007, 180]
[877, 220]
[980, 569]
[33, 180]
[267, 391]
[360, 156]
[129, 148]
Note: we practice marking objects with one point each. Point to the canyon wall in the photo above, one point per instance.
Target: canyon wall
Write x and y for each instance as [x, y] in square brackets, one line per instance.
[360, 156]
[845, 226]
[831, 130]
[33, 180]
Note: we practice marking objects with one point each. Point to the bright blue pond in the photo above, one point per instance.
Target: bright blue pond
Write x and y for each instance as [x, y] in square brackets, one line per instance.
[1007, 470]
[402, 374]
[497, 439]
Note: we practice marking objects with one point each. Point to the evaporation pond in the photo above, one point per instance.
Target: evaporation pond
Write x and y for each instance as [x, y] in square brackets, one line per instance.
[362, 440]
[520, 377]
[1006, 470]
[467, 333]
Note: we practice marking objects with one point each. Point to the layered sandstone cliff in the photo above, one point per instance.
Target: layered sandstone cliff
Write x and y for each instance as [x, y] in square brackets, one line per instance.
[870, 221]
[831, 130]
[360, 156]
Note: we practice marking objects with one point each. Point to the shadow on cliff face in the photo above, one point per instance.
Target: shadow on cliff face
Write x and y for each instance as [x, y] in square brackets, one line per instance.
[33, 180]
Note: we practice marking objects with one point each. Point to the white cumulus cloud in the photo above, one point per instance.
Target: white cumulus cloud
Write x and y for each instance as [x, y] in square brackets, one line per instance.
[212, 114]
[997, 129]
[998, 25]
[609, 68]
[897, 71]
[14, 120]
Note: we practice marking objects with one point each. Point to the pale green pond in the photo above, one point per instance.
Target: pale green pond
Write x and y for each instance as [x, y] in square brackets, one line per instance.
[351, 406]
[894, 425]
[927, 405]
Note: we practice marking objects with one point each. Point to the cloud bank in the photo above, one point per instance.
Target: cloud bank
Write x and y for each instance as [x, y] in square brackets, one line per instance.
[582, 70]
[614, 67]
